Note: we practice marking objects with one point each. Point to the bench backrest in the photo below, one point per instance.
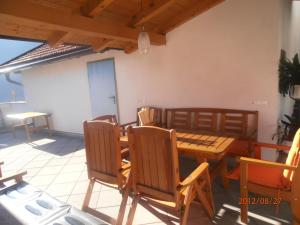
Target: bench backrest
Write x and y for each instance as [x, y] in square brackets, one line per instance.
[241, 123]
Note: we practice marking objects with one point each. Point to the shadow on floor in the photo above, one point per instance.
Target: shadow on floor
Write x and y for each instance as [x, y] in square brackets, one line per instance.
[7, 218]
[55, 144]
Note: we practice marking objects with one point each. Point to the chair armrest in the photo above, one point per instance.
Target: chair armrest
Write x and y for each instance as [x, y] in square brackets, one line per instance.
[253, 134]
[259, 162]
[123, 127]
[272, 146]
[198, 172]
[125, 166]
[17, 177]
[256, 148]
[127, 124]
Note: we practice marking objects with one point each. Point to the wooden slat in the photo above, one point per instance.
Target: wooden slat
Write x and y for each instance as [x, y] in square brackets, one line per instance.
[204, 122]
[101, 141]
[194, 10]
[93, 8]
[235, 118]
[152, 192]
[35, 15]
[232, 124]
[205, 116]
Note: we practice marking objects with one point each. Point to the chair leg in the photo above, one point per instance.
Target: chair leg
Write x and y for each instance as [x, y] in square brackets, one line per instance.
[244, 192]
[224, 173]
[132, 209]
[205, 202]
[123, 206]
[88, 195]
[187, 202]
[209, 190]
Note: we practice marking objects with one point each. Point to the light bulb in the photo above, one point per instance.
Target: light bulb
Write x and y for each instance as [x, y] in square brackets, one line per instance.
[144, 42]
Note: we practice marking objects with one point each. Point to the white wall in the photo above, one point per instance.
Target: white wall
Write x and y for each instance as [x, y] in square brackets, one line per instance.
[226, 57]
[62, 90]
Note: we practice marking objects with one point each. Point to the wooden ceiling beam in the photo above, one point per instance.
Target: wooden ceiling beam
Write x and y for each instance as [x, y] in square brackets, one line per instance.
[147, 14]
[99, 45]
[194, 10]
[56, 38]
[94, 7]
[25, 12]
[130, 48]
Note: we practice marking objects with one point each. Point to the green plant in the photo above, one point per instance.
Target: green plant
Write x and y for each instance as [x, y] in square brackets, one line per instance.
[289, 74]
[286, 127]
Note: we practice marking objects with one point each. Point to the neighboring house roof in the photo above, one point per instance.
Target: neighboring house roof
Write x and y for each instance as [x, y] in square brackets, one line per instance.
[42, 54]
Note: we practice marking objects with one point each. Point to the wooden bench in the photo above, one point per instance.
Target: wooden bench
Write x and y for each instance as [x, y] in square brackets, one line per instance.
[241, 124]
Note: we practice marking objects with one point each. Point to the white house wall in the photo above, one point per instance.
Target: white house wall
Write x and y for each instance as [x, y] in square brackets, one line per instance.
[226, 57]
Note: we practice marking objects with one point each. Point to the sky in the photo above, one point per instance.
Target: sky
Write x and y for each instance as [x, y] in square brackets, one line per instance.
[9, 49]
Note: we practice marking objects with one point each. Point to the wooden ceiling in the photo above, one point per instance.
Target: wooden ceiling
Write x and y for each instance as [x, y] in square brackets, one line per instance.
[99, 23]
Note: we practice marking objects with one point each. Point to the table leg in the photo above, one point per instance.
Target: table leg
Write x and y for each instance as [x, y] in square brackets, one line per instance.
[33, 124]
[13, 129]
[27, 130]
[201, 159]
[224, 172]
[48, 125]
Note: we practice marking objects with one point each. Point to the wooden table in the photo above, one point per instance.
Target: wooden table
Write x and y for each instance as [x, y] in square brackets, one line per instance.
[202, 147]
[24, 119]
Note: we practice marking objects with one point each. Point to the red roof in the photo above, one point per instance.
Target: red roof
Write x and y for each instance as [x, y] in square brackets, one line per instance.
[44, 51]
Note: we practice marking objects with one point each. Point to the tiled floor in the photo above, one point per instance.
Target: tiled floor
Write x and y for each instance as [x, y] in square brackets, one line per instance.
[56, 165]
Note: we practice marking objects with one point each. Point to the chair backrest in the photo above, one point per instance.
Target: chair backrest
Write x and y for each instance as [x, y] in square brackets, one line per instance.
[144, 116]
[155, 115]
[103, 151]
[293, 159]
[107, 118]
[154, 162]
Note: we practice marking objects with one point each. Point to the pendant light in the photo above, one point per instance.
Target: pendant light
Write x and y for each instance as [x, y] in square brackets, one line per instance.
[143, 39]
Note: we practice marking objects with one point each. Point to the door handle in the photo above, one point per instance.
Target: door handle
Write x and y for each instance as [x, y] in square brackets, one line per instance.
[113, 98]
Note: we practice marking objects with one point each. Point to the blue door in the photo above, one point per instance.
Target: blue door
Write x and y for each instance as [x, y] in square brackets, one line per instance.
[102, 85]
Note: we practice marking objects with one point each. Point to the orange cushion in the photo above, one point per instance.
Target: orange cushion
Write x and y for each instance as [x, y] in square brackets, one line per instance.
[239, 148]
[262, 175]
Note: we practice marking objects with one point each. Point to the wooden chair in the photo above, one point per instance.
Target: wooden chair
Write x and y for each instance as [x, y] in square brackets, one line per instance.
[18, 177]
[278, 180]
[155, 173]
[108, 118]
[156, 121]
[104, 161]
